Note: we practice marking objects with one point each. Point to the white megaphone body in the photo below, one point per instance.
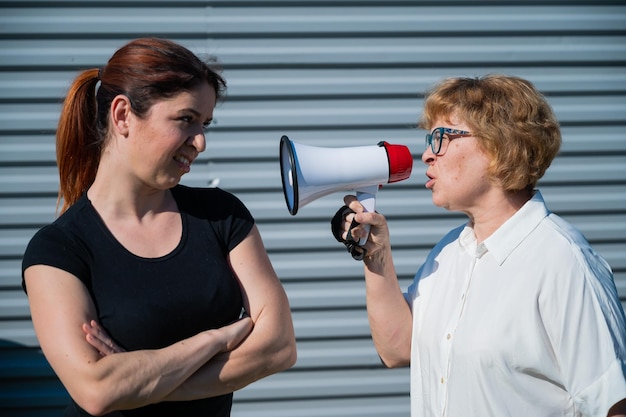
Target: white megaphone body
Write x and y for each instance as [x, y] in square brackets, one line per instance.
[311, 172]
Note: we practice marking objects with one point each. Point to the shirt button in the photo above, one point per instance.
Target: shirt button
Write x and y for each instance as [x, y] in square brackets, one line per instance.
[448, 336]
[443, 380]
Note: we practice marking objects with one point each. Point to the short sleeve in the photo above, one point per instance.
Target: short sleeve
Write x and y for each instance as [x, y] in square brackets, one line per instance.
[237, 223]
[228, 216]
[51, 246]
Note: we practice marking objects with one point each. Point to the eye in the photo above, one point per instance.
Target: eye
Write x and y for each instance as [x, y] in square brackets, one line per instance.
[206, 125]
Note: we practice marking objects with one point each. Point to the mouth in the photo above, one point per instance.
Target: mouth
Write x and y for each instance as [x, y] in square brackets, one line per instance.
[430, 182]
[183, 162]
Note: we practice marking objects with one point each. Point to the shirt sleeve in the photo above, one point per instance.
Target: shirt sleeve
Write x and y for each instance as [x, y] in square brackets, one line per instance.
[238, 221]
[589, 334]
[51, 246]
[228, 216]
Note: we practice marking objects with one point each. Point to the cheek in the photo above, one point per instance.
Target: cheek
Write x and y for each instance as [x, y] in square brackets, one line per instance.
[480, 165]
[459, 170]
[159, 139]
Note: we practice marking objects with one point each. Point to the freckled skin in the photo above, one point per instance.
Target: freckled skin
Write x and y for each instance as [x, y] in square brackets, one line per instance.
[459, 173]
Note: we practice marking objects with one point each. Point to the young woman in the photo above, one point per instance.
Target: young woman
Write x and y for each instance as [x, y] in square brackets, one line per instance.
[149, 297]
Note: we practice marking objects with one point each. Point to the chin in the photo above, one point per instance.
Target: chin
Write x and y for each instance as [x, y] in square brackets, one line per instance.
[442, 204]
[166, 184]
[438, 201]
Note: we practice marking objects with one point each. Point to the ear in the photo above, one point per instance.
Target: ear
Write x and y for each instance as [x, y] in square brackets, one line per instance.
[120, 114]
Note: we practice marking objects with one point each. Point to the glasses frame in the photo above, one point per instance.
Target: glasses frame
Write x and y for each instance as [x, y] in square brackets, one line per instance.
[451, 134]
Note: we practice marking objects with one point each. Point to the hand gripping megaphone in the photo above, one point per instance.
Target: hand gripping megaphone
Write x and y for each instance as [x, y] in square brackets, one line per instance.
[310, 172]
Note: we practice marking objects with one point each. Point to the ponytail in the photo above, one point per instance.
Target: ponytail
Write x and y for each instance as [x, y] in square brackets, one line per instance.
[77, 140]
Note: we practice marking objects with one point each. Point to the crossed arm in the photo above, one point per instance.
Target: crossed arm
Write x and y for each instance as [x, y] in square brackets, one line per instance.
[210, 363]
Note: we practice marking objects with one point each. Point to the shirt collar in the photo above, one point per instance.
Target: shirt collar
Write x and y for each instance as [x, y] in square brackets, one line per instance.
[508, 236]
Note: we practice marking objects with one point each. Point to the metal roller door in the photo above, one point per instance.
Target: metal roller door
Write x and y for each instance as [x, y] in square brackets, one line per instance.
[325, 73]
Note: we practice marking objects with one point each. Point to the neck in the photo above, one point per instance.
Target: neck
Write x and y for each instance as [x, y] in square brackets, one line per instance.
[118, 194]
[497, 211]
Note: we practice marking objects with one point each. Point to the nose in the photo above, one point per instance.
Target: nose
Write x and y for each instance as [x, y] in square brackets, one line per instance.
[428, 156]
[198, 141]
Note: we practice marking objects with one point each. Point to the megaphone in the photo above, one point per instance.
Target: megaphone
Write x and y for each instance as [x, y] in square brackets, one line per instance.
[311, 172]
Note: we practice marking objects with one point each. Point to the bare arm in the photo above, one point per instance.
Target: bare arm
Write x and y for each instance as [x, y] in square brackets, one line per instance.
[60, 305]
[389, 314]
[271, 345]
[618, 409]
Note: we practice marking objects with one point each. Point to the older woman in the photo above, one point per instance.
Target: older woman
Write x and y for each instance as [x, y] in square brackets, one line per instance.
[512, 313]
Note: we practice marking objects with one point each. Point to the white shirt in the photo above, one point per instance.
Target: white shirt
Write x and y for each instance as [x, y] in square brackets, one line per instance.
[527, 323]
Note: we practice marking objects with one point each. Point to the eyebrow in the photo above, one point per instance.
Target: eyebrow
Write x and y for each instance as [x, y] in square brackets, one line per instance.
[189, 110]
[194, 112]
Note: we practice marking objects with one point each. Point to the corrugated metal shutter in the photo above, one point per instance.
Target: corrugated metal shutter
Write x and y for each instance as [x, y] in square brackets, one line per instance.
[326, 73]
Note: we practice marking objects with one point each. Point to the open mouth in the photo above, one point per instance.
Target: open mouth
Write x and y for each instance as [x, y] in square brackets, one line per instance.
[430, 181]
[183, 162]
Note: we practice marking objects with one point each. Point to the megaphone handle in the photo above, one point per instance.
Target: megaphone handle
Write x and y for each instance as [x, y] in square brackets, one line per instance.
[367, 198]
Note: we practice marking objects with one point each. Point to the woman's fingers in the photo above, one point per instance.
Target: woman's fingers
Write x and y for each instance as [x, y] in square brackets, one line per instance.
[234, 333]
[97, 337]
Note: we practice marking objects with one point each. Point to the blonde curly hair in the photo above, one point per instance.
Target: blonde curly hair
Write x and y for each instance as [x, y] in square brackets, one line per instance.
[509, 117]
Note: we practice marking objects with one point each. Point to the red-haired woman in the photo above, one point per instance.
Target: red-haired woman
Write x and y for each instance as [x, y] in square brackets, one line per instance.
[149, 297]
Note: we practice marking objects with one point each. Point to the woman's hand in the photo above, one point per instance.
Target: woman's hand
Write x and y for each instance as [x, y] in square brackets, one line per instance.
[97, 337]
[378, 236]
[229, 336]
[233, 334]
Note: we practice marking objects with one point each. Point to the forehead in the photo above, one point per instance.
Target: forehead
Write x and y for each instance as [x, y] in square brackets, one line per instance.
[201, 100]
[450, 121]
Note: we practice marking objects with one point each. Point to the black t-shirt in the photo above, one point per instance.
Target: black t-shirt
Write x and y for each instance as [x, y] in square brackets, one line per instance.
[150, 303]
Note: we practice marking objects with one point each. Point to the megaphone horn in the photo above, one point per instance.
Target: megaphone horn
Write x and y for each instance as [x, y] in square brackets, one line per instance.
[311, 172]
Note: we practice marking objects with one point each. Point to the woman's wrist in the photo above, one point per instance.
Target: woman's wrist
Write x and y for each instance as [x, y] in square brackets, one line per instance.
[377, 261]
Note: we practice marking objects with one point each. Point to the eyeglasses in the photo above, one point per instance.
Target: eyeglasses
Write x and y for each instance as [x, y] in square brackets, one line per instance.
[435, 138]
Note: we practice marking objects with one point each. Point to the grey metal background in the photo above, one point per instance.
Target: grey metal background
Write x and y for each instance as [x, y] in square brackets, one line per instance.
[325, 73]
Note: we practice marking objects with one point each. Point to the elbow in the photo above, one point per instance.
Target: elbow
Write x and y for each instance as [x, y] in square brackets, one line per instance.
[97, 397]
[397, 356]
[291, 355]
[94, 410]
[618, 409]
[271, 360]
[395, 362]
[92, 400]
[394, 352]
[286, 356]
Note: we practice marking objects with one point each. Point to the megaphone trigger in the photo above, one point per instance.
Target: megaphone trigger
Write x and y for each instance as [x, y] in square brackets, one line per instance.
[336, 226]
[356, 249]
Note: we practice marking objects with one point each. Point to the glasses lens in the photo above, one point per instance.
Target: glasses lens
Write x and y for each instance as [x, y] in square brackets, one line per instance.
[436, 141]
